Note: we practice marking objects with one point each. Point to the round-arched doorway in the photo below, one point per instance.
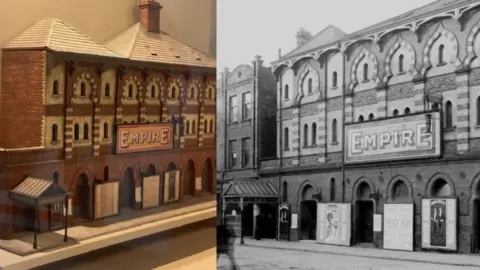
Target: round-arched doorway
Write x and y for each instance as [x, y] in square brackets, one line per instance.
[207, 177]
[308, 214]
[81, 207]
[364, 213]
[127, 189]
[189, 179]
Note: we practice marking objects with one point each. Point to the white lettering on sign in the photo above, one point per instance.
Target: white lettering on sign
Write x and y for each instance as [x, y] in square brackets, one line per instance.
[396, 138]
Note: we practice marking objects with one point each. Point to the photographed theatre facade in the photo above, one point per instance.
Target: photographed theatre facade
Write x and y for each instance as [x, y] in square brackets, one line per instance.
[126, 124]
[378, 133]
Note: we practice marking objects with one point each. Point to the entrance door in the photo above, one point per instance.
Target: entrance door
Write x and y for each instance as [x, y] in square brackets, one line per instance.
[127, 190]
[308, 221]
[248, 220]
[476, 218]
[365, 221]
[56, 216]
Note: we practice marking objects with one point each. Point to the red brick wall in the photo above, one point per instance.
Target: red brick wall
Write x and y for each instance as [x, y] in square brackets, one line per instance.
[22, 98]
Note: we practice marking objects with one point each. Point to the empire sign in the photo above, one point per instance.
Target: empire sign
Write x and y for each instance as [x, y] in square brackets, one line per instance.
[404, 137]
[137, 138]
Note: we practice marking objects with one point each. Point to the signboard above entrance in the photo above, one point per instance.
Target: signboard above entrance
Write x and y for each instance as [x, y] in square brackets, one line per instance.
[397, 138]
[146, 137]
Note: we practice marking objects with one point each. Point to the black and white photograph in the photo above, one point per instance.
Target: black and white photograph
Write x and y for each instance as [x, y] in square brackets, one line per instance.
[348, 134]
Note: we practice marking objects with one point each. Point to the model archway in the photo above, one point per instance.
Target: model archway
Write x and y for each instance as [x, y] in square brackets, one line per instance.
[308, 213]
[81, 209]
[127, 189]
[189, 179]
[207, 177]
[151, 170]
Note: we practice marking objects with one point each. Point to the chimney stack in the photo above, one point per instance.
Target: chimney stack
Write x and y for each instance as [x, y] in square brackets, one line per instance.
[150, 15]
[303, 36]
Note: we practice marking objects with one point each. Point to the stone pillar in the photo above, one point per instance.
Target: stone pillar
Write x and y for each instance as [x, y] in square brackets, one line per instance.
[463, 111]
[419, 90]
[202, 128]
[143, 113]
[96, 132]
[381, 101]
[322, 132]
[118, 115]
[279, 120]
[348, 109]
[69, 133]
[296, 136]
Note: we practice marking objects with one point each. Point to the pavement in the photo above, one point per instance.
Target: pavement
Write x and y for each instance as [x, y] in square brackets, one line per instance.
[434, 258]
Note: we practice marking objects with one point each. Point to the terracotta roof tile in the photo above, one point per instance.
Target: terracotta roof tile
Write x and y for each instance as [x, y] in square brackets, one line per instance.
[33, 187]
[138, 44]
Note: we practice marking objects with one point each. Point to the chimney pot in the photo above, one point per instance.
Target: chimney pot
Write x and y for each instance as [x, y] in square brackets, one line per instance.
[150, 15]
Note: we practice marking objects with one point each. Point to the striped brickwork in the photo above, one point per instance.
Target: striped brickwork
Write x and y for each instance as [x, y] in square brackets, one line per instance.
[69, 133]
[295, 133]
[463, 112]
[381, 103]
[96, 132]
[322, 132]
[348, 109]
[419, 102]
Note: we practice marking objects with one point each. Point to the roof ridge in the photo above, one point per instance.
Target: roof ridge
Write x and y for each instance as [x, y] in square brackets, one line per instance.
[135, 37]
[191, 47]
[51, 30]
[121, 33]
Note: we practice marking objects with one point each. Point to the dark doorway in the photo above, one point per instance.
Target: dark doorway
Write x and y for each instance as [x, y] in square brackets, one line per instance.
[82, 198]
[189, 179]
[127, 190]
[247, 220]
[476, 218]
[269, 220]
[308, 221]
[207, 177]
[365, 221]
[29, 219]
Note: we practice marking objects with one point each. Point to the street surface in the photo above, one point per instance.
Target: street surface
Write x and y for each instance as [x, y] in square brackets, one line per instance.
[160, 251]
[256, 258]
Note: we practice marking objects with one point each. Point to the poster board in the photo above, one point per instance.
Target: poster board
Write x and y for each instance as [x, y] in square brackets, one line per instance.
[398, 226]
[294, 221]
[106, 199]
[334, 223]
[151, 191]
[171, 191]
[377, 222]
[439, 223]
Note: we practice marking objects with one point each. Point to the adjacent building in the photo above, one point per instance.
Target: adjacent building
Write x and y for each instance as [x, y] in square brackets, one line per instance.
[90, 128]
[246, 125]
[377, 133]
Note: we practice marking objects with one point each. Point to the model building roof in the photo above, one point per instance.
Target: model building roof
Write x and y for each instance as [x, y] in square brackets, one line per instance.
[135, 43]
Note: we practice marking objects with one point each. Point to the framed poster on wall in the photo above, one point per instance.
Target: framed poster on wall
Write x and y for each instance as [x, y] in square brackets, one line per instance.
[398, 226]
[171, 191]
[334, 223]
[439, 223]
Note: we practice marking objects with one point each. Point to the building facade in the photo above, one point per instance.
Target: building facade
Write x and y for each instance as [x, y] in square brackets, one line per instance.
[118, 125]
[247, 98]
[341, 173]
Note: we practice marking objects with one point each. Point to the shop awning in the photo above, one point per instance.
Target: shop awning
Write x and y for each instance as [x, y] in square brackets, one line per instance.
[36, 192]
[251, 191]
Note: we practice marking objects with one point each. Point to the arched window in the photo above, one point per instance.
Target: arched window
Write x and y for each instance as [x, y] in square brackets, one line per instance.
[210, 93]
[211, 125]
[187, 127]
[334, 79]
[395, 112]
[54, 133]
[314, 134]
[371, 116]
[285, 139]
[85, 131]
[76, 132]
[441, 49]
[440, 188]
[360, 118]
[407, 110]
[334, 131]
[478, 111]
[83, 89]
[152, 91]
[205, 126]
[174, 90]
[332, 189]
[55, 178]
[130, 91]
[192, 93]
[400, 63]
[105, 130]
[194, 127]
[448, 115]
[55, 88]
[399, 190]
[107, 90]
[106, 173]
[285, 92]
[310, 85]
[365, 72]
[285, 192]
[305, 135]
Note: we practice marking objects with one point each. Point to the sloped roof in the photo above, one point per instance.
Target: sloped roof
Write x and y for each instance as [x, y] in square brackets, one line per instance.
[32, 190]
[58, 36]
[328, 35]
[250, 188]
[136, 43]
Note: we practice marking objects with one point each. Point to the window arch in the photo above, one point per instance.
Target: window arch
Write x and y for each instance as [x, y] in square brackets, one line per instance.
[83, 89]
[152, 91]
[76, 131]
[55, 88]
[55, 178]
[365, 72]
[440, 188]
[399, 190]
[54, 133]
[130, 90]
[448, 115]
[406, 111]
[211, 125]
[107, 90]
[334, 79]
[305, 135]
[85, 131]
[395, 112]
[285, 92]
[285, 137]
[478, 110]
[334, 131]
[371, 116]
[174, 92]
[194, 127]
[205, 126]
[187, 127]
[441, 50]
[106, 173]
[332, 189]
[400, 63]
[210, 93]
[360, 118]
[192, 93]
[310, 85]
[105, 130]
[285, 191]
[314, 134]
